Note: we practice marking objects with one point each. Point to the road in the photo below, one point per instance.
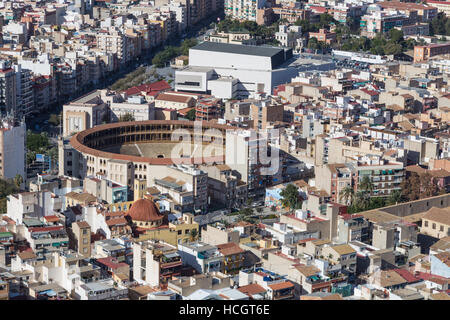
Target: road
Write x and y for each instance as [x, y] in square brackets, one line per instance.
[37, 123]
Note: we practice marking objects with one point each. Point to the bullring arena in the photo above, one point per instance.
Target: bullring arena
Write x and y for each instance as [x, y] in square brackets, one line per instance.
[149, 143]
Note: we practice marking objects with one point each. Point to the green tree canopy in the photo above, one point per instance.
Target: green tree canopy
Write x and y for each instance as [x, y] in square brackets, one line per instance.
[290, 197]
[126, 117]
[190, 115]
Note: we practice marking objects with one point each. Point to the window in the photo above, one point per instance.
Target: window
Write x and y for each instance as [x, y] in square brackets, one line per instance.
[441, 228]
[426, 223]
[433, 226]
[179, 232]
[186, 231]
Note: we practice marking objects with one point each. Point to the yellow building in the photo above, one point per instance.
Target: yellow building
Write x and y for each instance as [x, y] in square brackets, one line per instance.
[119, 206]
[233, 257]
[75, 198]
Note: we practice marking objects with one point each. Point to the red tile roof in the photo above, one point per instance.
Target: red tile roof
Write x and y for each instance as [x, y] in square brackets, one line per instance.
[111, 263]
[229, 248]
[51, 218]
[116, 221]
[45, 229]
[252, 289]
[149, 88]
[173, 98]
[408, 276]
[281, 285]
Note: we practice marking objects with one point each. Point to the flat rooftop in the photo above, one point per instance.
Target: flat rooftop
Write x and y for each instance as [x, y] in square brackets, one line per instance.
[89, 98]
[238, 49]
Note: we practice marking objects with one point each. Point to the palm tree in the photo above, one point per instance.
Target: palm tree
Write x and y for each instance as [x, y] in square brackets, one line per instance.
[347, 194]
[362, 200]
[366, 185]
[395, 197]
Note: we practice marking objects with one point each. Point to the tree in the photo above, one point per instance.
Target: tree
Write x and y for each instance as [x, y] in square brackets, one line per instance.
[290, 197]
[313, 44]
[37, 142]
[246, 211]
[362, 201]
[7, 187]
[347, 194]
[18, 180]
[193, 235]
[366, 185]
[55, 119]
[395, 197]
[190, 115]
[392, 48]
[126, 117]
[395, 35]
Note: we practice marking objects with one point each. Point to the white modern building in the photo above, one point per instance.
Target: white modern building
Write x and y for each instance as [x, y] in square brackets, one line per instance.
[231, 70]
[241, 71]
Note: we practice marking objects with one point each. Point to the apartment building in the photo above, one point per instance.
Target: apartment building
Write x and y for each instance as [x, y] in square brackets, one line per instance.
[8, 89]
[224, 186]
[323, 36]
[333, 179]
[385, 176]
[113, 42]
[82, 234]
[155, 263]
[105, 189]
[352, 228]
[243, 10]
[423, 53]
[243, 147]
[417, 12]
[201, 256]
[83, 113]
[266, 112]
[189, 187]
[342, 254]
[12, 149]
[289, 36]
[218, 234]
[436, 222]
[233, 257]
[381, 21]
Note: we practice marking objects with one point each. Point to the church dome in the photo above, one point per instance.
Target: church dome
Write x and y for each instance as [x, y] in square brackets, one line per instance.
[144, 210]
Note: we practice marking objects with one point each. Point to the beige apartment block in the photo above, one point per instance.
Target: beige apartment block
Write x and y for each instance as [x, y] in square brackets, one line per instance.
[436, 222]
[82, 233]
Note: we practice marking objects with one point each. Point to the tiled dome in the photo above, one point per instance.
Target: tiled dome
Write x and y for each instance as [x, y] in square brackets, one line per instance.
[144, 210]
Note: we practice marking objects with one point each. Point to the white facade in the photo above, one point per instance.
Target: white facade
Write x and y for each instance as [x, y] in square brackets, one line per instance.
[201, 256]
[96, 220]
[256, 69]
[243, 10]
[32, 204]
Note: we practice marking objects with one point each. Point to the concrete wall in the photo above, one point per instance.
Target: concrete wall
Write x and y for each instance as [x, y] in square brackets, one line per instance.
[418, 206]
